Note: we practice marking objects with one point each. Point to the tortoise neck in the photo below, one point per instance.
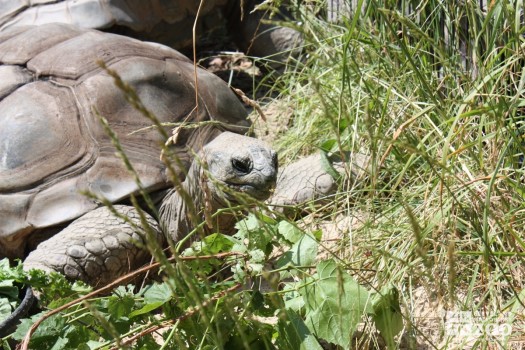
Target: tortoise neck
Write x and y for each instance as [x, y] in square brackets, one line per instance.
[186, 207]
[179, 208]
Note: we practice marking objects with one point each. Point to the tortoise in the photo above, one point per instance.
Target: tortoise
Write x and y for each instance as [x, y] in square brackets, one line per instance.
[169, 22]
[53, 145]
[53, 148]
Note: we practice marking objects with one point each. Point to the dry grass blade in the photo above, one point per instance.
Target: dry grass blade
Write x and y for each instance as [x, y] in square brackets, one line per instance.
[250, 103]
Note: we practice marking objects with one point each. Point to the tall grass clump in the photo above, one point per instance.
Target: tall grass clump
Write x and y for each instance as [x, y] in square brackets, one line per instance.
[433, 92]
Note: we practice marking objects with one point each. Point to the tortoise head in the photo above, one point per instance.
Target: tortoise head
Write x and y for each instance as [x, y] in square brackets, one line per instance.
[239, 164]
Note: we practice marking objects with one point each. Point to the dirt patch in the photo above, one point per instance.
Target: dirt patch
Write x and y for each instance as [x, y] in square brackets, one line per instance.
[277, 116]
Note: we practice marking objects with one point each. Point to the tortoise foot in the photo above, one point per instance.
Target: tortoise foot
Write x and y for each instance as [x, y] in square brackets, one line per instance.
[309, 181]
[96, 248]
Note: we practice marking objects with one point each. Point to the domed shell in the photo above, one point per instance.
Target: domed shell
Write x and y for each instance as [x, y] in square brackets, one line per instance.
[52, 143]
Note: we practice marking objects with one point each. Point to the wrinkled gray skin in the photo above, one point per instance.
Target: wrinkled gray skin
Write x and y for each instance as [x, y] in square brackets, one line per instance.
[307, 180]
[169, 22]
[101, 246]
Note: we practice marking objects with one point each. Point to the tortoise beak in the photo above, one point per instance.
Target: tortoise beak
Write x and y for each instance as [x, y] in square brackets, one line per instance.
[256, 184]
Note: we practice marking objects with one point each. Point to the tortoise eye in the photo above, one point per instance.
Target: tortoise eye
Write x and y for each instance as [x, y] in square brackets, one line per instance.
[241, 165]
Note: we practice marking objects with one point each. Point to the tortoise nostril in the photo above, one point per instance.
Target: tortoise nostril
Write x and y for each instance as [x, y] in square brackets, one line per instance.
[241, 165]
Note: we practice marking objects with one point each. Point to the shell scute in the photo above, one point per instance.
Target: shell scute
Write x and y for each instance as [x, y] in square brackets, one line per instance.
[39, 136]
[35, 39]
[53, 146]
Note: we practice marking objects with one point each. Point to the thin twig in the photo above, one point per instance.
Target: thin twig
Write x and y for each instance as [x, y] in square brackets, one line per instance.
[194, 34]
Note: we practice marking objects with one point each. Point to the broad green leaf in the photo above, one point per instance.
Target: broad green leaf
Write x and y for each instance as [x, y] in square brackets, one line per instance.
[290, 232]
[292, 299]
[158, 292]
[210, 245]
[240, 248]
[78, 334]
[302, 253]
[126, 290]
[8, 289]
[333, 322]
[328, 167]
[294, 334]
[4, 265]
[81, 287]
[5, 308]
[256, 269]
[259, 235]
[46, 334]
[51, 327]
[120, 306]
[93, 344]
[239, 272]
[8, 272]
[295, 304]
[257, 256]
[387, 314]
[250, 223]
[60, 344]
[328, 145]
[146, 308]
[8, 298]
[24, 326]
[213, 244]
[334, 302]
[318, 234]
